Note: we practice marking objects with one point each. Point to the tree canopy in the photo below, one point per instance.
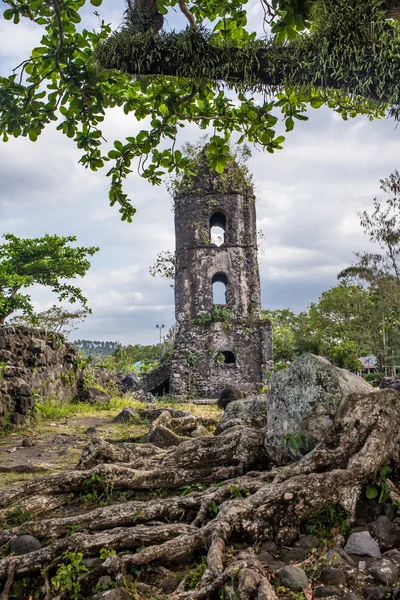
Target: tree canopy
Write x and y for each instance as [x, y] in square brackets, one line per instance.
[48, 261]
[343, 53]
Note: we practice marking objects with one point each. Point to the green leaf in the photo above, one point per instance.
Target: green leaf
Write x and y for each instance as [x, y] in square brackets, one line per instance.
[371, 492]
[96, 2]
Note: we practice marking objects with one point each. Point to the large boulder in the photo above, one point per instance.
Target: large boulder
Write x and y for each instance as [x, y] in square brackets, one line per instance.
[251, 412]
[302, 403]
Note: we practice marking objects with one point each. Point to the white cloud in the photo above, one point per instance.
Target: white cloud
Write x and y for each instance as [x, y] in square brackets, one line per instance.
[308, 197]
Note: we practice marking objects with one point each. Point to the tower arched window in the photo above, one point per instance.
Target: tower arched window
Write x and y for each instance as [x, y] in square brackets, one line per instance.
[220, 288]
[218, 228]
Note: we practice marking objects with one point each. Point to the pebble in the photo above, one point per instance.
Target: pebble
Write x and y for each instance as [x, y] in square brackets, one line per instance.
[24, 544]
[332, 576]
[327, 591]
[293, 578]
[294, 555]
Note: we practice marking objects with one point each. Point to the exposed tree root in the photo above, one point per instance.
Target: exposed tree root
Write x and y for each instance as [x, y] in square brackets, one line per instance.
[251, 508]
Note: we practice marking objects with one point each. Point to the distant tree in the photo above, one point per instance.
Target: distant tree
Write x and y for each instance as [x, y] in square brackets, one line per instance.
[342, 314]
[49, 261]
[56, 319]
[380, 271]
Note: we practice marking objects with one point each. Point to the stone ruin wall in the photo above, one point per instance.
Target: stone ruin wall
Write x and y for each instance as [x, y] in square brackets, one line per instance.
[36, 365]
[251, 343]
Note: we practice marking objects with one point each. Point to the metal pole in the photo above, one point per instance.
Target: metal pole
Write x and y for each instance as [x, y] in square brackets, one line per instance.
[160, 327]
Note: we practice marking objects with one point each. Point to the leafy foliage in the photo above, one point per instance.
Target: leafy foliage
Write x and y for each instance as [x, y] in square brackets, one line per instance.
[48, 261]
[380, 489]
[210, 78]
[66, 578]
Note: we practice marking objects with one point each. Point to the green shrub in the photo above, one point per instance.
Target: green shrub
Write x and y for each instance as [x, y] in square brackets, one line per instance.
[373, 376]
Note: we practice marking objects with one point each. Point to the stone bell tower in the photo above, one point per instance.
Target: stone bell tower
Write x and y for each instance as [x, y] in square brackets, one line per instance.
[221, 339]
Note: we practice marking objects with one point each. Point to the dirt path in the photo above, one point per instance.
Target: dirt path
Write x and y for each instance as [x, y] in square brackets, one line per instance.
[57, 444]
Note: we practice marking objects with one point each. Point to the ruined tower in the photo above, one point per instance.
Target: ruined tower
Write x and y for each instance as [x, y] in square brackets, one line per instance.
[221, 340]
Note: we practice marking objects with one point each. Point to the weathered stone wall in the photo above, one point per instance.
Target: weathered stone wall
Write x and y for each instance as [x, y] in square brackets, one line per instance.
[207, 330]
[34, 365]
[198, 259]
[197, 366]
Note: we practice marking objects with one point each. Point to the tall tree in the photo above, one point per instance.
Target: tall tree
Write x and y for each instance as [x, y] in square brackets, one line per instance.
[48, 261]
[342, 53]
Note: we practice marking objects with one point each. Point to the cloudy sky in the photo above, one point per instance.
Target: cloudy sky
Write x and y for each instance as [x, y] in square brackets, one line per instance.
[308, 198]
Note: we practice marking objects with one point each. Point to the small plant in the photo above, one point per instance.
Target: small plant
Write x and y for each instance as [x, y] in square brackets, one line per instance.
[381, 486]
[213, 508]
[221, 313]
[3, 367]
[35, 395]
[66, 578]
[202, 320]
[195, 575]
[220, 358]
[105, 553]
[80, 363]
[298, 442]
[189, 489]
[237, 492]
[370, 377]
[16, 516]
[88, 380]
[191, 359]
[324, 523]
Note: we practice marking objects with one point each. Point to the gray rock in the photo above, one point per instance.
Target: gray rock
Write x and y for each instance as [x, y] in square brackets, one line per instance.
[251, 412]
[228, 395]
[327, 591]
[368, 510]
[303, 399]
[199, 431]
[164, 438]
[269, 547]
[385, 572]
[350, 596]
[128, 414]
[115, 594]
[362, 544]
[389, 510]
[104, 581]
[382, 530]
[95, 396]
[265, 557]
[377, 593]
[293, 578]
[332, 576]
[275, 565]
[294, 555]
[337, 557]
[309, 542]
[24, 544]
[27, 443]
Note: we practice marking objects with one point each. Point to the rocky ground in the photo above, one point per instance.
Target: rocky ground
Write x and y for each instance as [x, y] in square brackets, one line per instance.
[152, 504]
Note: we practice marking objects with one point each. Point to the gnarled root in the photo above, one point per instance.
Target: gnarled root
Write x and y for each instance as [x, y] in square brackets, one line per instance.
[250, 508]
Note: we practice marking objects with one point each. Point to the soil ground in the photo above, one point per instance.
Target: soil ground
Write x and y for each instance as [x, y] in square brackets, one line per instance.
[59, 436]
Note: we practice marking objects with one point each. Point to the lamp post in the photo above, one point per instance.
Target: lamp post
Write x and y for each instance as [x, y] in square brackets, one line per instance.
[160, 327]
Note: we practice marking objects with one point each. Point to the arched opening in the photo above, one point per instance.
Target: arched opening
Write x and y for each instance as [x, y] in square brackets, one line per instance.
[217, 228]
[227, 358]
[220, 287]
